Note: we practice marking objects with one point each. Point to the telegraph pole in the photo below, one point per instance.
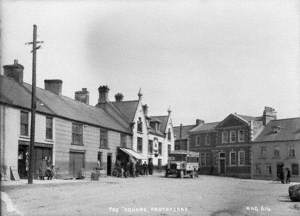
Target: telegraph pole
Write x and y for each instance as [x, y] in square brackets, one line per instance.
[33, 103]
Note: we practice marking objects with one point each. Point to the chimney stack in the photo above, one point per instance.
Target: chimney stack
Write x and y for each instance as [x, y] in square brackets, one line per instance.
[119, 97]
[14, 71]
[145, 110]
[269, 114]
[103, 94]
[199, 122]
[83, 96]
[53, 85]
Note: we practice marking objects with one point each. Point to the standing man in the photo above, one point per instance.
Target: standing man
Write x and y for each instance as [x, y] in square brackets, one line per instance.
[150, 167]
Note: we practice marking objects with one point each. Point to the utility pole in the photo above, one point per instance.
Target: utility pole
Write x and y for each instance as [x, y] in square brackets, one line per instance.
[33, 103]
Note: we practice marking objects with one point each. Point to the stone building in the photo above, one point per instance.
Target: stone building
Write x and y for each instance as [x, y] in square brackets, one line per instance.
[277, 147]
[72, 134]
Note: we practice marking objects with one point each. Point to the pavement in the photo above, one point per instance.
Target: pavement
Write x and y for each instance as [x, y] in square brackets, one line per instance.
[149, 195]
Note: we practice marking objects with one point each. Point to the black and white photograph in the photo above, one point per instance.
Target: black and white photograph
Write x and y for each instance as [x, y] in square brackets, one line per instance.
[150, 107]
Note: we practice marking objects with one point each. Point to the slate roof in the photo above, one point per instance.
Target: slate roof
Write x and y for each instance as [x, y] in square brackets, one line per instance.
[127, 108]
[289, 129]
[163, 122]
[16, 94]
[205, 127]
[184, 133]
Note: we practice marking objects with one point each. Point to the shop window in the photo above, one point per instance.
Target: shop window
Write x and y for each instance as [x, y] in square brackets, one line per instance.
[24, 123]
[77, 134]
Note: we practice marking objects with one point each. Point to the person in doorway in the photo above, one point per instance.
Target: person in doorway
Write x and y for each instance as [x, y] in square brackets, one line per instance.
[150, 167]
[145, 168]
[288, 176]
[43, 168]
[137, 168]
[133, 167]
[284, 174]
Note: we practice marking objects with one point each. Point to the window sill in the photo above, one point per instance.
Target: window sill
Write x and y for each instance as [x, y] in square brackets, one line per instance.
[25, 137]
[49, 140]
[140, 132]
[77, 144]
[106, 148]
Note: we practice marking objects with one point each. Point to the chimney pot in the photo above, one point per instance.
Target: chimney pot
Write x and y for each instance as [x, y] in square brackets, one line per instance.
[269, 114]
[119, 97]
[103, 94]
[14, 71]
[83, 96]
[199, 121]
[53, 85]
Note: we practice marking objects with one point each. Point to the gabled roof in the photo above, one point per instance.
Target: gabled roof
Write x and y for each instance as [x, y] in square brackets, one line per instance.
[242, 118]
[127, 108]
[16, 94]
[163, 120]
[287, 129]
[205, 127]
[184, 133]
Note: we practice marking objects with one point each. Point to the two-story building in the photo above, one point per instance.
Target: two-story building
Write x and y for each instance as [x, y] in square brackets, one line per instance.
[71, 134]
[152, 135]
[277, 147]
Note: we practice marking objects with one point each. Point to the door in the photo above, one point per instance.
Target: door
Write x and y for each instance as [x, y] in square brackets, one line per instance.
[159, 164]
[279, 169]
[222, 166]
[23, 161]
[76, 164]
[109, 157]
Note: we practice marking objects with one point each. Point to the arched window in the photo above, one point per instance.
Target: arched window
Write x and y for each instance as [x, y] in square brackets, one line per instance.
[140, 125]
[169, 134]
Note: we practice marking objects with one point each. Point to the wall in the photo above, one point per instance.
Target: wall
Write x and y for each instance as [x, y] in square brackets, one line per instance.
[272, 160]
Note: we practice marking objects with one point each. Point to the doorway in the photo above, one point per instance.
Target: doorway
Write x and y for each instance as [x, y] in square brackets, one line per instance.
[76, 164]
[222, 166]
[279, 169]
[109, 162]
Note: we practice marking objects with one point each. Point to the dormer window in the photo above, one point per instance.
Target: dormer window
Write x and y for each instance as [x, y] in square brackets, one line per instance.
[275, 129]
[140, 125]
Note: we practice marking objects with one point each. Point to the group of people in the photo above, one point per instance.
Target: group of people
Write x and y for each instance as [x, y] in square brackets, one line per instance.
[46, 169]
[132, 168]
[285, 176]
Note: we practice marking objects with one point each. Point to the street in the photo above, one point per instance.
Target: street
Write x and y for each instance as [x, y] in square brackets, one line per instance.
[153, 195]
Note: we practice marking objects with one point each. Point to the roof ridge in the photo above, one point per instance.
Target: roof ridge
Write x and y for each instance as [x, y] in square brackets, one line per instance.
[286, 119]
[125, 101]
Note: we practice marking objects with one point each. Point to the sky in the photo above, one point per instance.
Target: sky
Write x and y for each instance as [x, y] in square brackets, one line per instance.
[203, 59]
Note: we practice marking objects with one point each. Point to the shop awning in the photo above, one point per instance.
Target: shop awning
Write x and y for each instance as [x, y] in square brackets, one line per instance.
[133, 154]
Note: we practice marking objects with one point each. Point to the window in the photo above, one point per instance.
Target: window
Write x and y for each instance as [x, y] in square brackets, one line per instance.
[268, 168]
[291, 151]
[140, 125]
[258, 168]
[177, 145]
[241, 158]
[263, 151]
[150, 147]
[169, 149]
[207, 139]
[225, 137]
[241, 136]
[232, 159]
[207, 159]
[139, 144]
[49, 128]
[276, 152]
[295, 169]
[198, 140]
[232, 136]
[77, 134]
[103, 138]
[202, 159]
[169, 134]
[123, 140]
[24, 123]
[159, 148]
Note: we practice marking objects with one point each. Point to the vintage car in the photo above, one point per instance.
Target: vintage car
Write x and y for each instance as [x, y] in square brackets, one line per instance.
[183, 163]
